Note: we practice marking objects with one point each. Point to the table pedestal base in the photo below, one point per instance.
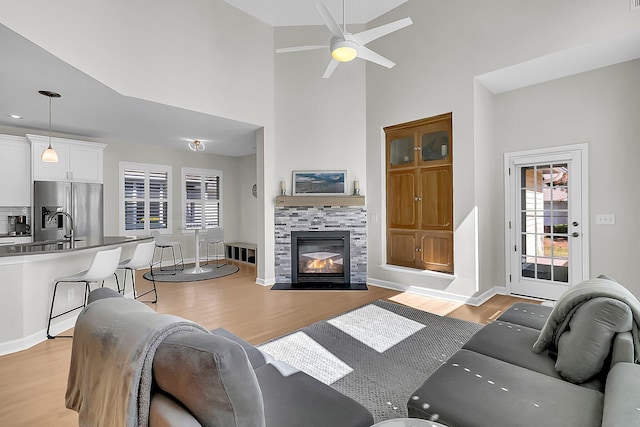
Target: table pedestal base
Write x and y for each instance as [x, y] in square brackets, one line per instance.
[197, 270]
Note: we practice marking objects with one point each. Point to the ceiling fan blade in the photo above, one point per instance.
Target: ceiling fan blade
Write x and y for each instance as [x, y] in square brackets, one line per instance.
[330, 69]
[329, 20]
[369, 55]
[300, 48]
[366, 36]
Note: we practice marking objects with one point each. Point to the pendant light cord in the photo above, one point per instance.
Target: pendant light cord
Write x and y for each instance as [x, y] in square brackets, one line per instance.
[49, 122]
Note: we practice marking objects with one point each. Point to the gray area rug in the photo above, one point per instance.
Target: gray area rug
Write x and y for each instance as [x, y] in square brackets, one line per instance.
[181, 276]
[378, 354]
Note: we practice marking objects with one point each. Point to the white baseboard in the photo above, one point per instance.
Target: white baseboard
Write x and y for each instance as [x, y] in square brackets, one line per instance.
[37, 337]
[41, 336]
[435, 293]
[265, 282]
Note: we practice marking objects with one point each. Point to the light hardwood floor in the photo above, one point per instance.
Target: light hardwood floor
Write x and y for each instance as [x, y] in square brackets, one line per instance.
[34, 380]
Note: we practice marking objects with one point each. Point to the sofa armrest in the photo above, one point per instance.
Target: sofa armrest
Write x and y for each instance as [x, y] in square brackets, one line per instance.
[622, 349]
[621, 397]
[101, 293]
[256, 356]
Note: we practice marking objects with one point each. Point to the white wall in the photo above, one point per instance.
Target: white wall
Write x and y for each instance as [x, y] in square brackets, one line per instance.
[247, 209]
[599, 107]
[438, 57]
[320, 123]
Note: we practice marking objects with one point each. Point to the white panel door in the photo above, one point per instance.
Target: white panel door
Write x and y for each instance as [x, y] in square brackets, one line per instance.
[547, 221]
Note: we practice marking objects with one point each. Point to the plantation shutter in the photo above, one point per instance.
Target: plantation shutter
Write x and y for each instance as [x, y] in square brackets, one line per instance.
[146, 195]
[158, 195]
[201, 198]
[134, 194]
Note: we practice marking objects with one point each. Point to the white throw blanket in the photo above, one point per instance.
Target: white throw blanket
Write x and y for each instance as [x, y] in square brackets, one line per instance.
[110, 376]
[558, 319]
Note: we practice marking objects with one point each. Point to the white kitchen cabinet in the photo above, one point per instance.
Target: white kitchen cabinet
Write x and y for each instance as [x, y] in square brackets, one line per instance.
[15, 171]
[78, 161]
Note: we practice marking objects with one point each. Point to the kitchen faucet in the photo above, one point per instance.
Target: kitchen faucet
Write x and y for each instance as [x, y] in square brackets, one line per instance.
[70, 230]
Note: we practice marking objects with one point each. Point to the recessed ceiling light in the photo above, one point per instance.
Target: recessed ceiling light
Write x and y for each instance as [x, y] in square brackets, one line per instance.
[15, 116]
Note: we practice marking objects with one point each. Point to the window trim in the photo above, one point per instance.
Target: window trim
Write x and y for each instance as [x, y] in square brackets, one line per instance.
[147, 168]
[204, 173]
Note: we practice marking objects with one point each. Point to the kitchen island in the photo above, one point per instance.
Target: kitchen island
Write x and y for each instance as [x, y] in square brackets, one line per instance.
[27, 275]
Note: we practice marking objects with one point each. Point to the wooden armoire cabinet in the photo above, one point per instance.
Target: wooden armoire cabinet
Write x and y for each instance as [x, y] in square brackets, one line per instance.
[420, 194]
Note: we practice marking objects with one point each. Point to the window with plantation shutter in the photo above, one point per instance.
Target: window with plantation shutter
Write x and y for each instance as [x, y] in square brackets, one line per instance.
[144, 198]
[202, 198]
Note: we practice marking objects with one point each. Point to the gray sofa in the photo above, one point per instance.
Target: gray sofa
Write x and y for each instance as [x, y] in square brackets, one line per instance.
[214, 379]
[573, 365]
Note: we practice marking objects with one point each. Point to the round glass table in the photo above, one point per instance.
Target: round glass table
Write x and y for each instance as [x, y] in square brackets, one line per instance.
[408, 422]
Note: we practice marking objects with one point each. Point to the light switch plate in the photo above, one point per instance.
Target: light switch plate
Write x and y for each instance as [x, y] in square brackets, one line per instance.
[606, 219]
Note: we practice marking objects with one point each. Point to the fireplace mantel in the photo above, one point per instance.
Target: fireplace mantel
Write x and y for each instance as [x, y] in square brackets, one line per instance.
[320, 201]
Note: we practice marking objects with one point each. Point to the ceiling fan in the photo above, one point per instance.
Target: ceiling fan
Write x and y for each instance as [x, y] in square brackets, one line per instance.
[344, 46]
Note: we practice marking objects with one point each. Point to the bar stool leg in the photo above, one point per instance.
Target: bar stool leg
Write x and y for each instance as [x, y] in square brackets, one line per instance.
[135, 292]
[53, 299]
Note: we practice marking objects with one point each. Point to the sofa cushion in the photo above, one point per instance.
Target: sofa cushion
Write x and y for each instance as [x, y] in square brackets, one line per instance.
[291, 395]
[212, 377]
[586, 344]
[526, 314]
[513, 344]
[472, 389]
[622, 400]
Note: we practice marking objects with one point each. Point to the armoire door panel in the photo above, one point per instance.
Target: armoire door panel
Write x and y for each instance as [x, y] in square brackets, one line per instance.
[401, 248]
[436, 196]
[436, 250]
[401, 204]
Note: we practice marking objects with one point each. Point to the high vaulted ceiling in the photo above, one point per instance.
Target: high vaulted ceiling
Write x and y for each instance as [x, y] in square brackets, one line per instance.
[90, 109]
[282, 13]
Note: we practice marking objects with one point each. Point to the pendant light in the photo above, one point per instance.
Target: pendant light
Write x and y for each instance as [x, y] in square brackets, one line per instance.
[49, 155]
[196, 145]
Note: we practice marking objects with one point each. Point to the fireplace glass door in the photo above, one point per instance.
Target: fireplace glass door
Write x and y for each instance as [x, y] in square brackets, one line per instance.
[320, 257]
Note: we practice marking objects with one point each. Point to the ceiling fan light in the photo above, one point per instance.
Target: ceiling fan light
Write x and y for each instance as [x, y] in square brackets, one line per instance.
[344, 50]
[344, 54]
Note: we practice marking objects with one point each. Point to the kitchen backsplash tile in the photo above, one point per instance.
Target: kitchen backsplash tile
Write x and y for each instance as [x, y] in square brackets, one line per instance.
[6, 211]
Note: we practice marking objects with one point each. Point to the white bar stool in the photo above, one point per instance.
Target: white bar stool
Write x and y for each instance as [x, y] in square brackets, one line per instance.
[163, 244]
[215, 237]
[142, 258]
[102, 267]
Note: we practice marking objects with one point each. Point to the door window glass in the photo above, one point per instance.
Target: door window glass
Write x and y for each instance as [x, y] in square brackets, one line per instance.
[544, 201]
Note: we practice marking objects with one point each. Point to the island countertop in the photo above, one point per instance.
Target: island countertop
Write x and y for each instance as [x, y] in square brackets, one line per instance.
[57, 246]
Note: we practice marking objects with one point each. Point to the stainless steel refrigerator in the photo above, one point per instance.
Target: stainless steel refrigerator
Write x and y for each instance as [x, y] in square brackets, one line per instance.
[82, 201]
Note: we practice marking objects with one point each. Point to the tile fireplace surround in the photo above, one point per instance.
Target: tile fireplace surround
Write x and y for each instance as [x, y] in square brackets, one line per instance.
[321, 218]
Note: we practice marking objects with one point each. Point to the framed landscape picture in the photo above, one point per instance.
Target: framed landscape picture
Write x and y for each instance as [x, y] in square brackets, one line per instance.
[319, 183]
